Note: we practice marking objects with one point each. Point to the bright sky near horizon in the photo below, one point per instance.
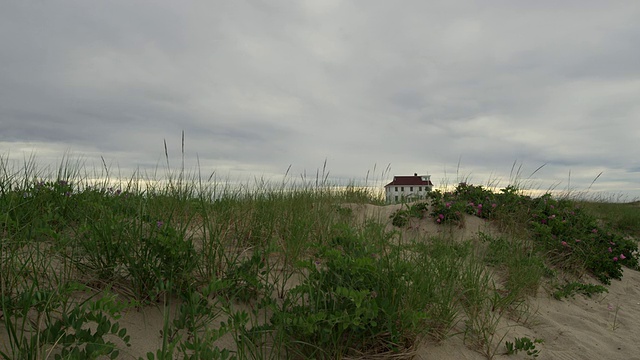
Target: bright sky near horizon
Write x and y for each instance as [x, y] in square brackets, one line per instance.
[431, 87]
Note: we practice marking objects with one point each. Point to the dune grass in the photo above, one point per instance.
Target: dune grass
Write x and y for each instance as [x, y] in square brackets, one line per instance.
[621, 217]
[286, 271]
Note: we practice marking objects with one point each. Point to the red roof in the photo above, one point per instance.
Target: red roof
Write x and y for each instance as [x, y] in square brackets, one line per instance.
[409, 180]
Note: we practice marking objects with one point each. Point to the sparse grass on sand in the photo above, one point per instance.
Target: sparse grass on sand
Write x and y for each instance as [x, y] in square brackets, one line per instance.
[282, 272]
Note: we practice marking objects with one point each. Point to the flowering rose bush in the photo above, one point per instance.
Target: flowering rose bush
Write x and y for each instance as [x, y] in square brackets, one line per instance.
[445, 209]
[572, 238]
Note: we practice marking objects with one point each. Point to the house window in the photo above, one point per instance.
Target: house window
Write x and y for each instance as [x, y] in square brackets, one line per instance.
[419, 188]
[396, 188]
[411, 188]
[402, 188]
[396, 198]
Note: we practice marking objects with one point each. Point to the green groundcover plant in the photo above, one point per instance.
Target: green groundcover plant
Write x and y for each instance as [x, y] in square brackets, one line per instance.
[571, 238]
[346, 303]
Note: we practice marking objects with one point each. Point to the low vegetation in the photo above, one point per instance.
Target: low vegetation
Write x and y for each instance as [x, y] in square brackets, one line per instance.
[285, 272]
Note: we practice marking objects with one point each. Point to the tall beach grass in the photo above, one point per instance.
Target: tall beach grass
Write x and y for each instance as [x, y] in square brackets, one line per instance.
[284, 270]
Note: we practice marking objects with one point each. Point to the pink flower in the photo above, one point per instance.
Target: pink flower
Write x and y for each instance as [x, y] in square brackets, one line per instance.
[622, 257]
[595, 231]
[610, 250]
[479, 206]
[441, 216]
[448, 205]
[471, 204]
[494, 205]
[564, 243]
[615, 258]
[577, 240]
[438, 220]
[612, 243]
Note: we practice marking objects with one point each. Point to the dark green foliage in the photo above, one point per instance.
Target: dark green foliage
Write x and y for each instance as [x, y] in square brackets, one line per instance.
[82, 342]
[623, 218]
[190, 333]
[571, 238]
[477, 201]
[572, 288]
[37, 210]
[344, 212]
[524, 267]
[80, 331]
[353, 300]
[523, 344]
[363, 291]
[245, 277]
[446, 209]
[145, 254]
[401, 217]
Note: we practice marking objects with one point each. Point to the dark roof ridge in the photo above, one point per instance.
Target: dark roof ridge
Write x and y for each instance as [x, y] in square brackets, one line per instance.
[423, 180]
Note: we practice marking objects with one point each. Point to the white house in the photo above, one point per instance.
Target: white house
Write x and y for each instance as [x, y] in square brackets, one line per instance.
[408, 188]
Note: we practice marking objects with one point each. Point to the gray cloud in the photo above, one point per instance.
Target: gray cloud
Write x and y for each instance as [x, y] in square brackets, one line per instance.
[257, 86]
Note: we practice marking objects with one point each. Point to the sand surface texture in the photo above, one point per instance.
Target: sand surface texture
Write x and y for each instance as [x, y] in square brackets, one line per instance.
[605, 326]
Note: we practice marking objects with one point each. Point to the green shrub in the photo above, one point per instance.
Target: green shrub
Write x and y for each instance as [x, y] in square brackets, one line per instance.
[80, 331]
[352, 301]
[573, 239]
[445, 208]
[570, 237]
[401, 217]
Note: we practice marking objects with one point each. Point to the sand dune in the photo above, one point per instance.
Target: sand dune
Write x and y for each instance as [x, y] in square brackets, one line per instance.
[606, 326]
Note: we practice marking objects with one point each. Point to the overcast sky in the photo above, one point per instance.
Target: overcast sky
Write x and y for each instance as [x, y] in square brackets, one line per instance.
[260, 85]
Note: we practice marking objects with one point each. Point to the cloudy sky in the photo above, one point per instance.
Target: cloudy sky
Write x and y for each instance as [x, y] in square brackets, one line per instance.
[438, 87]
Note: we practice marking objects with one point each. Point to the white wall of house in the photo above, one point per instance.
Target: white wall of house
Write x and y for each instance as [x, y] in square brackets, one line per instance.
[400, 193]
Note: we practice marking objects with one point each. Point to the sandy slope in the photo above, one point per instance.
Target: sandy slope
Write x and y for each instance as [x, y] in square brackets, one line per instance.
[574, 328]
[578, 328]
